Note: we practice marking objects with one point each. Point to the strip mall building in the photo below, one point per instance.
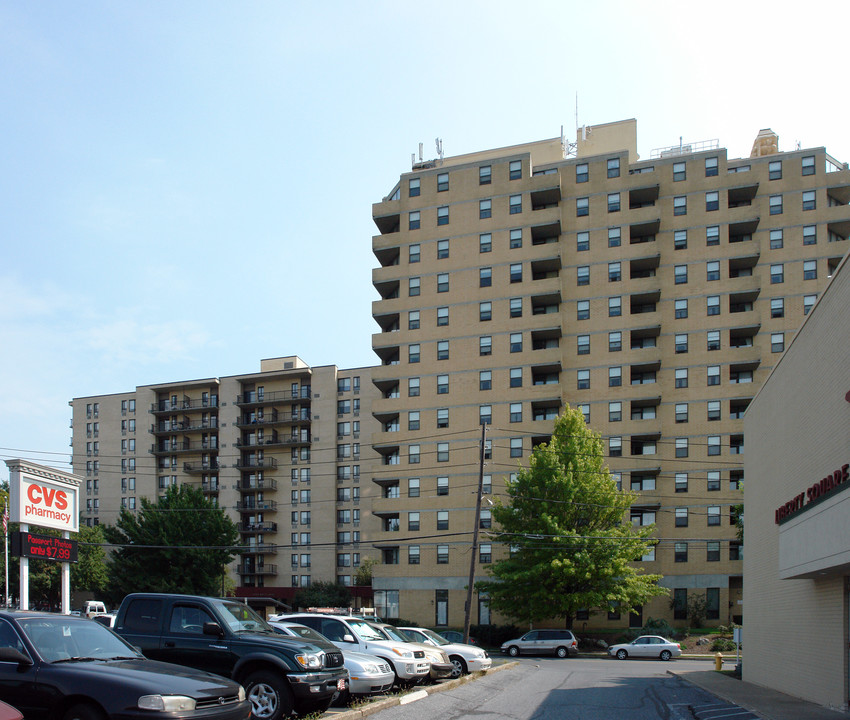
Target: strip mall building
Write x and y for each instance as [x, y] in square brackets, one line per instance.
[797, 505]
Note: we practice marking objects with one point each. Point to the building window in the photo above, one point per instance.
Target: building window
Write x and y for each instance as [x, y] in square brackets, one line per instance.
[714, 515]
[710, 167]
[413, 220]
[679, 172]
[516, 412]
[712, 201]
[582, 207]
[583, 310]
[443, 350]
[712, 270]
[615, 411]
[680, 274]
[810, 235]
[808, 302]
[713, 375]
[613, 202]
[681, 376]
[516, 342]
[615, 446]
[485, 414]
[809, 201]
[614, 237]
[681, 517]
[515, 169]
[681, 447]
[413, 554]
[442, 249]
[777, 274]
[810, 270]
[713, 410]
[485, 345]
[442, 452]
[583, 344]
[774, 170]
[681, 342]
[413, 254]
[516, 272]
[413, 353]
[613, 167]
[584, 408]
[681, 308]
[442, 384]
[777, 342]
[775, 204]
[712, 305]
[485, 175]
[442, 418]
[615, 376]
[442, 557]
[681, 409]
[680, 205]
[442, 316]
[515, 204]
[485, 553]
[713, 480]
[515, 240]
[413, 320]
[516, 447]
[516, 307]
[714, 445]
[413, 420]
[485, 277]
[712, 551]
[485, 311]
[615, 341]
[582, 241]
[443, 215]
[808, 165]
[413, 286]
[485, 242]
[443, 282]
[413, 454]
[712, 235]
[515, 377]
[615, 306]
[681, 482]
[485, 379]
[777, 307]
[581, 173]
[413, 387]
[583, 275]
[614, 272]
[680, 239]
[442, 182]
[680, 554]
[442, 520]
[413, 487]
[485, 208]
[583, 379]
[776, 239]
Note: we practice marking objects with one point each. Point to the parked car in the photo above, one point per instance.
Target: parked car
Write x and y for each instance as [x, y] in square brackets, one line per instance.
[107, 619]
[543, 642]
[367, 674]
[351, 633]
[441, 666]
[653, 646]
[56, 667]
[465, 658]
[453, 636]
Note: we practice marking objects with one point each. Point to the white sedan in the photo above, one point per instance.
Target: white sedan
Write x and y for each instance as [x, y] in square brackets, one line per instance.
[653, 646]
[465, 658]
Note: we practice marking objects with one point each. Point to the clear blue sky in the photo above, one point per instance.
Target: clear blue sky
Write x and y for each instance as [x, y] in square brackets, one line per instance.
[186, 187]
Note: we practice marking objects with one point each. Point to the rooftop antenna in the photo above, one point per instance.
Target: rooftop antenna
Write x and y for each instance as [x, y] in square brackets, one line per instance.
[439, 143]
[420, 152]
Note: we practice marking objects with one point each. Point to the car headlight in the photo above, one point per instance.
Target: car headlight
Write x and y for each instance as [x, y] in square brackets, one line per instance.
[478, 653]
[310, 661]
[370, 669]
[241, 694]
[166, 703]
[404, 653]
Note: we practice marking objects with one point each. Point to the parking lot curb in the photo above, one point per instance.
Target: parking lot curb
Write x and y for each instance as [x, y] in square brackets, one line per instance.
[374, 706]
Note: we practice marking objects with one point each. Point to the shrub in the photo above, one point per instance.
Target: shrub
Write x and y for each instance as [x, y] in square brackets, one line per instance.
[494, 635]
[722, 645]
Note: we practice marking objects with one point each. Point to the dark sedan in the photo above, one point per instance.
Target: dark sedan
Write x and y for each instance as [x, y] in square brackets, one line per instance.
[59, 667]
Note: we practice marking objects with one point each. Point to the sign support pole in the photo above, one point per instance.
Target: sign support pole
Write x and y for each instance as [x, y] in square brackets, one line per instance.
[66, 582]
[25, 576]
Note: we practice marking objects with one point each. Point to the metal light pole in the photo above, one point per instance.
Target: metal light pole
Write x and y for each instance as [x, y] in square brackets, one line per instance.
[472, 558]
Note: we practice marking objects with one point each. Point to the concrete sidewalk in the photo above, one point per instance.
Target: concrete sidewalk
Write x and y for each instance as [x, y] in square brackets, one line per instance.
[765, 703]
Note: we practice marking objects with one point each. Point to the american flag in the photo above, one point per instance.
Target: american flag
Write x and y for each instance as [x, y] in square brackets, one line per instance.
[6, 519]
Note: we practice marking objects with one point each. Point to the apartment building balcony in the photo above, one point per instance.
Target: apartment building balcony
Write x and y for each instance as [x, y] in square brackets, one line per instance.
[264, 484]
[252, 505]
[183, 446]
[386, 250]
[387, 216]
[207, 487]
[544, 193]
[256, 464]
[546, 230]
[546, 214]
[255, 398]
[646, 339]
[261, 549]
[388, 353]
[262, 527]
[645, 303]
[273, 441]
[741, 196]
[643, 231]
[742, 305]
[184, 405]
[838, 231]
[196, 468]
[645, 409]
[256, 570]
[545, 374]
[742, 267]
[742, 231]
[167, 427]
[546, 409]
[388, 322]
[644, 268]
[274, 418]
[545, 268]
[546, 303]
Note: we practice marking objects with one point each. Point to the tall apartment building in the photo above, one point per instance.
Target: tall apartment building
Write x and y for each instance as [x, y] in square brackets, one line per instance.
[654, 294]
[279, 449]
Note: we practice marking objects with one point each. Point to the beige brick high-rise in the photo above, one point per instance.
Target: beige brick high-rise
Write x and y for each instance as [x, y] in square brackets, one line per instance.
[656, 294]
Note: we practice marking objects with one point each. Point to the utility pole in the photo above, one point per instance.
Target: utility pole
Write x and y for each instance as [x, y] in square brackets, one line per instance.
[474, 553]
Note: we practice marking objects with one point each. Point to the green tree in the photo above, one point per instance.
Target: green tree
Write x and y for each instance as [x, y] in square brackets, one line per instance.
[571, 547]
[322, 594]
[179, 544]
[363, 576]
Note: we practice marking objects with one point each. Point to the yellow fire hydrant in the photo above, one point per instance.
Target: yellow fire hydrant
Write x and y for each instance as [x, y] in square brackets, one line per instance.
[718, 661]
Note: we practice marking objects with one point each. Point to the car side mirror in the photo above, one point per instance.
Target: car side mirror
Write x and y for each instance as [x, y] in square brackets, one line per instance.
[348, 638]
[213, 628]
[10, 654]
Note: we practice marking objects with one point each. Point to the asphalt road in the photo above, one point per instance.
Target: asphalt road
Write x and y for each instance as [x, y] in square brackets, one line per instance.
[574, 689]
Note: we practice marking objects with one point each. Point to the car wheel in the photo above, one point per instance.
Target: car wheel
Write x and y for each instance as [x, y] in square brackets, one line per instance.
[665, 655]
[562, 652]
[458, 666]
[83, 712]
[622, 654]
[513, 651]
[270, 696]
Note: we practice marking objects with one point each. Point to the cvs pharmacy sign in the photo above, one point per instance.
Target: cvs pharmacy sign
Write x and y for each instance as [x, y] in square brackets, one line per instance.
[46, 503]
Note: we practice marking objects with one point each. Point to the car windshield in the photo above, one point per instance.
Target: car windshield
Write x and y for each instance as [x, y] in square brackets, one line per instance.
[241, 618]
[306, 632]
[394, 634]
[61, 639]
[431, 635]
[365, 631]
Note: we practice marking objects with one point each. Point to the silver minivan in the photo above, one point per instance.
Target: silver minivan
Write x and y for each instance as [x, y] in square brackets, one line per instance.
[543, 642]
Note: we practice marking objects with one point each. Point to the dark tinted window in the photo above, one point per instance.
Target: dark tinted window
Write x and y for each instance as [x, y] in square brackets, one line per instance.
[334, 630]
[143, 616]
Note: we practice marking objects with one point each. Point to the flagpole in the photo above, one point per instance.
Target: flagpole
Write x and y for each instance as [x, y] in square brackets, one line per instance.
[6, 547]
